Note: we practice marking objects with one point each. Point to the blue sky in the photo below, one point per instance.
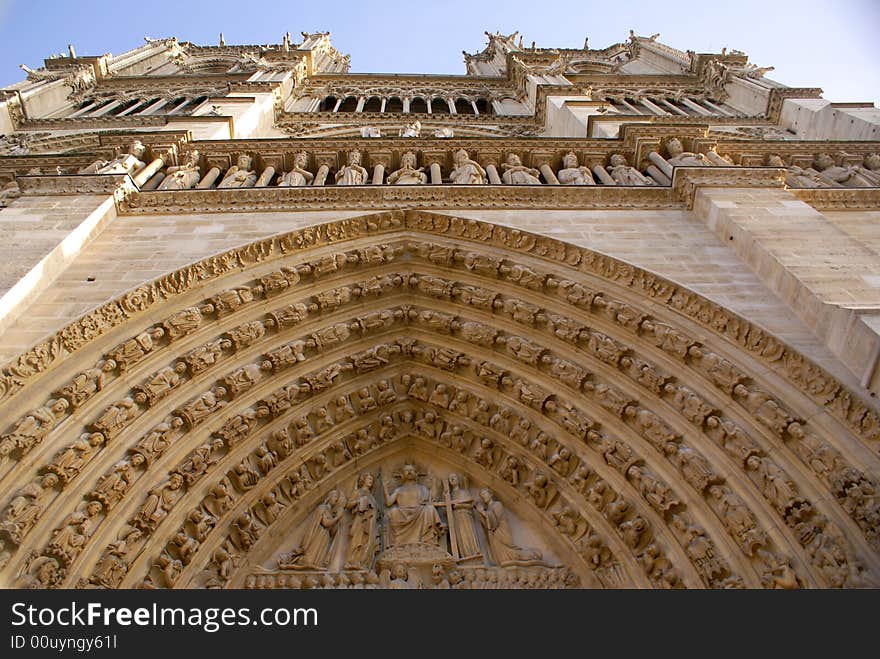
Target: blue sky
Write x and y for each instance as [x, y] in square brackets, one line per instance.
[830, 44]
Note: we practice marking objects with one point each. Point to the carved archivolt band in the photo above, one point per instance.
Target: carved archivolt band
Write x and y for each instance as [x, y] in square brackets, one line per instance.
[712, 460]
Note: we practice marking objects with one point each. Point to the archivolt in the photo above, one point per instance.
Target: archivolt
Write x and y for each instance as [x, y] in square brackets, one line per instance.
[684, 423]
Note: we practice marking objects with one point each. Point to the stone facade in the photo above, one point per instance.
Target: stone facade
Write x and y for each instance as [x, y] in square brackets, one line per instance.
[580, 318]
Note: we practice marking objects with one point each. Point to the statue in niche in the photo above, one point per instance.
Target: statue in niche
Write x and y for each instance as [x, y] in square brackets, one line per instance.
[183, 177]
[411, 515]
[352, 173]
[240, 175]
[321, 537]
[462, 520]
[678, 157]
[34, 426]
[515, 173]
[870, 169]
[504, 551]
[298, 176]
[797, 177]
[408, 174]
[363, 532]
[129, 163]
[623, 174]
[572, 173]
[845, 175]
[466, 171]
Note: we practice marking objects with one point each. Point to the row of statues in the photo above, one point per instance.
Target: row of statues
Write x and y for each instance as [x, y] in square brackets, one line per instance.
[417, 512]
[824, 172]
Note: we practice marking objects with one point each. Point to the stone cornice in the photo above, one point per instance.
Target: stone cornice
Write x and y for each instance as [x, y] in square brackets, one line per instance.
[839, 199]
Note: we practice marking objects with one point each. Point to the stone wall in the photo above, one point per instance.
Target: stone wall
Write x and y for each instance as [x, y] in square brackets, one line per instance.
[675, 244]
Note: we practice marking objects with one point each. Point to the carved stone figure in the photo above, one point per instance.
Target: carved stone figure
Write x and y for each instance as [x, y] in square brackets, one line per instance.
[844, 175]
[116, 417]
[129, 163]
[466, 171]
[408, 174]
[363, 531]
[572, 173]
[87, 384]
[678, 157]
[34, 426]
[462, 503]
[159, 502]
[352, 173]
[298, 176]
[623, 174]
[412, 517]
[159, 385]
[320, 538]
[183, 177]
[240, 175]
[501, 545]
[411, 130]
[515, 173]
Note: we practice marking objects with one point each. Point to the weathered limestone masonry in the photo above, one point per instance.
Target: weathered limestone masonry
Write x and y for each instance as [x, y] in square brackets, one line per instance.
[580, 318]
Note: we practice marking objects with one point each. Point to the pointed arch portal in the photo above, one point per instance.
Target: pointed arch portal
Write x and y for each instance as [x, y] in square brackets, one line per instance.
[248, 420]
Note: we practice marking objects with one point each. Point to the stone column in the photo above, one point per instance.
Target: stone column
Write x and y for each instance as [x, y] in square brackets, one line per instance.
[474, 106]
[209, 178]
[384, 101]
[361, 103]
[603, 175]
[713, 157]
[661, 163]
[436, 174]
[658, 176]
[451, 105]
[154, 182]
[338, 103]
[381, 161]
[406, 105]
[434, 160]
[325, 162]
[144, 175]
[549, 176]
[492, 173]
[321, 175]
[265, 177]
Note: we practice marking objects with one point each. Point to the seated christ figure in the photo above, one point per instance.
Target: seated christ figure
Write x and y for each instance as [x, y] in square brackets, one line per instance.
[412, 518]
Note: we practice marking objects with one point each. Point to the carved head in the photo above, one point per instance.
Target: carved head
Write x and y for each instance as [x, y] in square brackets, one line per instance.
[192, 158]
[301, 159]
[460, 156]
[245, 162]
[354, 157]
[618, 160]
[332, 498]
[513, 160]
[823, 161]
[454, 480]
[674, 147]
[872, 161]
[137, 149]
[366, 480]
[774, 160]
[399, 571]
[94, 508]
[486, 495]
[570, 160]
[409, 473]
[176, 481]
[408, 160]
